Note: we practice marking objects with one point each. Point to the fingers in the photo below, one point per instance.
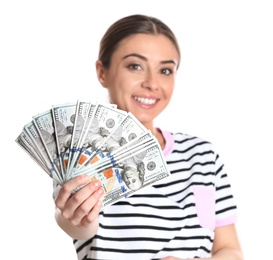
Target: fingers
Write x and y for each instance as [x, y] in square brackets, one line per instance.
[92, 215]
[83, 207]
[85, 203]
[67, 189]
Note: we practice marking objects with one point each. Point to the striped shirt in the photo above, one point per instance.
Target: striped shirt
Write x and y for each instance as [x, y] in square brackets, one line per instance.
[175, 217]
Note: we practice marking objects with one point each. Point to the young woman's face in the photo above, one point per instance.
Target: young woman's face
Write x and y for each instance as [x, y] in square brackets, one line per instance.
[141, 76]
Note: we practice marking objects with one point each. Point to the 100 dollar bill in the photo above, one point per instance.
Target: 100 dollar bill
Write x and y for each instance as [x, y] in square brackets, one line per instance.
[98, 140]
[143, 168]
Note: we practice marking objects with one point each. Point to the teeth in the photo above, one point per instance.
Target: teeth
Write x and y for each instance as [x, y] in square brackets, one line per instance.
[145, 101]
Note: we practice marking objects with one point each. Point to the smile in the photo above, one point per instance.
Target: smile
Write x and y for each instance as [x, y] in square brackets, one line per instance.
[145, 101]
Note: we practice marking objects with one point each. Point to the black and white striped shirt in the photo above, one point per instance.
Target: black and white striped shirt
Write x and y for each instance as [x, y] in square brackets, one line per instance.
[176, 217]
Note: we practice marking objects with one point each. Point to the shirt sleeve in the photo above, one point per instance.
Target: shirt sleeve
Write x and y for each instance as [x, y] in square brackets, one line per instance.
[226, 209]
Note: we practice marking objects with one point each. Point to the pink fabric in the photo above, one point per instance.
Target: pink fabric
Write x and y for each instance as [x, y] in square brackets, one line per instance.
[205, 206]
[204, 196]
[226, 222]
[169, 142]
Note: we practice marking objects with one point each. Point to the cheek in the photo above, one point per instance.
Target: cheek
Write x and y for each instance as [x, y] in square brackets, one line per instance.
[168, 86]
[117, 85]
[113, 97]
[171, 89]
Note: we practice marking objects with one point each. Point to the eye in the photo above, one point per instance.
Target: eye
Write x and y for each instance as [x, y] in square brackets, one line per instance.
[134, 66]
[167, 71]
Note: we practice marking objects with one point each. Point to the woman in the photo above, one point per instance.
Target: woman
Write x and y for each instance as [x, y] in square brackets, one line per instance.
[189, 215]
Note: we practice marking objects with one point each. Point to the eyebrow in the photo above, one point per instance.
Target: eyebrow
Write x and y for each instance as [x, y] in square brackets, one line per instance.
[145, 59]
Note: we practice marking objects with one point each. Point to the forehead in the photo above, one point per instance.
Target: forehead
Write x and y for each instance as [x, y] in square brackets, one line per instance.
[148, 45]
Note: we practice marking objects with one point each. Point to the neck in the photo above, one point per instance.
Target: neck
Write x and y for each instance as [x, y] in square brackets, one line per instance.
[159, 136]
[157, 133]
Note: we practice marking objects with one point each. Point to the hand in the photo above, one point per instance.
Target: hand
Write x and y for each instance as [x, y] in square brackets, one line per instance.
[82, 208]
[172, 258]
[175, 258]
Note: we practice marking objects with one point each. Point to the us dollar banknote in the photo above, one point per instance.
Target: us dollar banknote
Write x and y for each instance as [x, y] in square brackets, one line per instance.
[98, 140]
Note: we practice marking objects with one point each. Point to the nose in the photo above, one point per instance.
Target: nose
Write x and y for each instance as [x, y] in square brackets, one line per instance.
[150, 81]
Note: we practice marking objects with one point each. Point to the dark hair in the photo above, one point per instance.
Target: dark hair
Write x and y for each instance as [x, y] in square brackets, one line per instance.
[130, 25]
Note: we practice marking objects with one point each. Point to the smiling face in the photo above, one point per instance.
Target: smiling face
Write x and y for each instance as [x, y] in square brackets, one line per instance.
[141, 76]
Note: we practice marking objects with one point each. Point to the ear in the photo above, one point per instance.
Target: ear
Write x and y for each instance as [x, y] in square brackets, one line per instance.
[101, 73]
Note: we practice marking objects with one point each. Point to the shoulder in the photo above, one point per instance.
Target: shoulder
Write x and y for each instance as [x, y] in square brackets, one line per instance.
[179, 142]
[181, 137]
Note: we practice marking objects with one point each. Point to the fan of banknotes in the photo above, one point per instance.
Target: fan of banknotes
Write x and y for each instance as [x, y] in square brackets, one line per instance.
[99, 140]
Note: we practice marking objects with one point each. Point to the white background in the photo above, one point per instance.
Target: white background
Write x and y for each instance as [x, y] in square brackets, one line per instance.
[223, 94]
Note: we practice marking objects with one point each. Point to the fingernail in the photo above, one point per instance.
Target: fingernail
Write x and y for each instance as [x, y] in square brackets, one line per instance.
[97, 183]
[86, 177]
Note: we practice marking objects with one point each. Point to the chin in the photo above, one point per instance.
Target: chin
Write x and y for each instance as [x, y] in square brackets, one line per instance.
[145, 119]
